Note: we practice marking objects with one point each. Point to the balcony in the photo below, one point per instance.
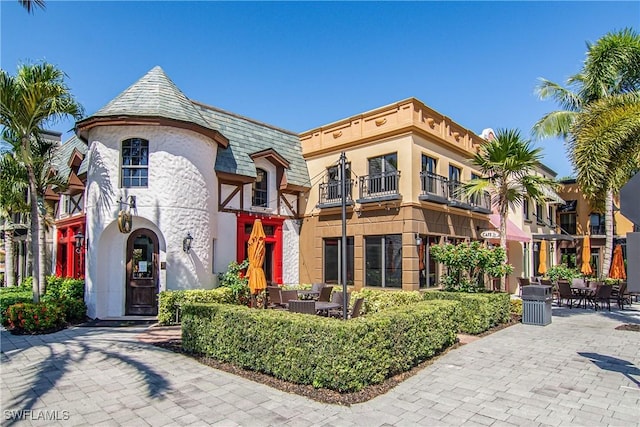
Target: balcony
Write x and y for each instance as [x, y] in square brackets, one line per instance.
[331, 194]
[481, 203]
[379, 187]
[457, 196]
[434, 188]
[598, 230]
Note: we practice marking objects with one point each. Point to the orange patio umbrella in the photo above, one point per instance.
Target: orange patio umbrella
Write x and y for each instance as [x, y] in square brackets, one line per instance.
[617, 265]
[255, 273]
[542, 267]
[586, 256]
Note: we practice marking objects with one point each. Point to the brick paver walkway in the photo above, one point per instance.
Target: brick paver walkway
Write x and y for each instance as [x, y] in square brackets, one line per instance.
[579, 370]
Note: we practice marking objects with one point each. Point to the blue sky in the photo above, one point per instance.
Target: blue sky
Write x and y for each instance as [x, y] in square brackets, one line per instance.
[299, 65]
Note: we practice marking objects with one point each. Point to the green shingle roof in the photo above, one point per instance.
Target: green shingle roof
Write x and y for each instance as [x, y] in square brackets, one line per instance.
[154, 95]
[63, 155]
[246, 137]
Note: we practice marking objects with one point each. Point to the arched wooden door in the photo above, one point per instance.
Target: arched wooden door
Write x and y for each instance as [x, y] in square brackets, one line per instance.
[142, 273]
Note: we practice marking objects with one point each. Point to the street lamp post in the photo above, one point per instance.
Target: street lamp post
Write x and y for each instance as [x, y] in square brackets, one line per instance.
[343, 184]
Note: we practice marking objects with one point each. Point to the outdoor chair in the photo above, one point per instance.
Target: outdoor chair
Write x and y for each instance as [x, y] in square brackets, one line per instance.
[546, 282]
[602, 295]
[274, 296]
[565, 293]
[522, 282]
[357, 308]
[621, 295]
[287, 296]
[302, 306]
[317, 287]
[337, 297]
[325, 294]
[556, 289]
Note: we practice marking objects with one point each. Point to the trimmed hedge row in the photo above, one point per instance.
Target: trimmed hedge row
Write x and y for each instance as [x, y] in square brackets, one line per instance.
[378, 300]
[169, 301]
[478, 312]
[323, 352]
[13, 295]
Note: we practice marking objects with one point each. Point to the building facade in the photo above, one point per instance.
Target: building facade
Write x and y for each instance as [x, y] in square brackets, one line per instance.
[578, 218]
[173, 187]
[405, 166]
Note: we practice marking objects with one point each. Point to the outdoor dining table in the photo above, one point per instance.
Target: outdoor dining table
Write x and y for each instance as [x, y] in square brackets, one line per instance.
[583, 292]
[324, 306]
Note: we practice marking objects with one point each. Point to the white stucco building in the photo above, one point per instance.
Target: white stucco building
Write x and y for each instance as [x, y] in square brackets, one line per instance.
[191, 179]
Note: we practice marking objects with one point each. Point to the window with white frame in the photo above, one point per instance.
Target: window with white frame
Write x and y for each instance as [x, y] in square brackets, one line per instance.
[135, 163]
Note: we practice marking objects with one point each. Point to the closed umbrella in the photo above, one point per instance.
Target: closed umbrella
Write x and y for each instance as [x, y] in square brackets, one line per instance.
[617, 265]
[255, 273]
[586, 256]
[542, 267]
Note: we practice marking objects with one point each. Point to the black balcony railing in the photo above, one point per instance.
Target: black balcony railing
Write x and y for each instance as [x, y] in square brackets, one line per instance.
[379, 186]
[331, 192]
[481, 202]
[598, 230]
[457, 196]
[434, 188]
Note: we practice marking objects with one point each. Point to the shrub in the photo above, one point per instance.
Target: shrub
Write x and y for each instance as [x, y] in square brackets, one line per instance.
[13, 295]
[478, 312]
[516, 306]
[69, 294]
[35, 318]
[235, 280]
[378, 300]
[320, 351]
[169, 301]
[562, 272]
[64, 287]
[467, 264]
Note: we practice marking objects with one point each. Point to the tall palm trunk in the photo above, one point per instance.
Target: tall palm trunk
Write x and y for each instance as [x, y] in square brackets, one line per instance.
[608, 223]
[35, 229]
[42, 255]
[504, 211]
[10, 270]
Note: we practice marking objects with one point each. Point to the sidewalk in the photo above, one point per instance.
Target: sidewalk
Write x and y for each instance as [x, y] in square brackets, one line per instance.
[579, 370]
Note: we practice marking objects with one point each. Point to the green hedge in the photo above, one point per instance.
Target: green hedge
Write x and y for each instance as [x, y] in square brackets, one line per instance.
[377, 300]
[169, 301]
[10, 296]
[478, 312]
[323, 352]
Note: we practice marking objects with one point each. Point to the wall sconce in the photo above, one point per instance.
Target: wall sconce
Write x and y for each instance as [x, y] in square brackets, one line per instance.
[79, 237]
[186, 243]
[418, 240]
[535, 247]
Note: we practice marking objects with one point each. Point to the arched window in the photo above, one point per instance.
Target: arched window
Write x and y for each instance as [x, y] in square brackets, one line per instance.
[135, 163]
[260, 193]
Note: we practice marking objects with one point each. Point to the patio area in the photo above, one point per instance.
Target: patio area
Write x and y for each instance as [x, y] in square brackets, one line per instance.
[579, 370]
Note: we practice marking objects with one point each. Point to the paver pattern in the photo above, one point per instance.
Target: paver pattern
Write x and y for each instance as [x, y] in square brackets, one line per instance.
[579, 370]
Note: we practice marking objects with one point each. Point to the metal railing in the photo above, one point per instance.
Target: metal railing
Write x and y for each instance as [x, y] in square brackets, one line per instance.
[379, 185]
[434, 184]
[481, 201]
[599, 230]
[457, 194]
[331, 192]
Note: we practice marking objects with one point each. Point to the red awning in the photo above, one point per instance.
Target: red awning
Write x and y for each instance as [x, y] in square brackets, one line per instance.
[514, 233]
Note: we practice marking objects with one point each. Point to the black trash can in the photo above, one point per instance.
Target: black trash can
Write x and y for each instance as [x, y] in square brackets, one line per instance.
[536, 305]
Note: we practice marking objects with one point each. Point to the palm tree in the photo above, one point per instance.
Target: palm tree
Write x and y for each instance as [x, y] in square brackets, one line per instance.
[30, 5]
[612, 67]
[36, 97]
[13, 200]
[508, 165]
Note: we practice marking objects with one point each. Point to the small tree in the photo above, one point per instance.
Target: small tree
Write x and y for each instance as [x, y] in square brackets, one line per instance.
[235, 280]
[468, 263]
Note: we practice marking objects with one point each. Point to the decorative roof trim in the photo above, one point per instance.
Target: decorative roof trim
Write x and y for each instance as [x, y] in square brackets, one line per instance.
[84, 125]
[76, 155]
[234, 178]
[272, 155]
